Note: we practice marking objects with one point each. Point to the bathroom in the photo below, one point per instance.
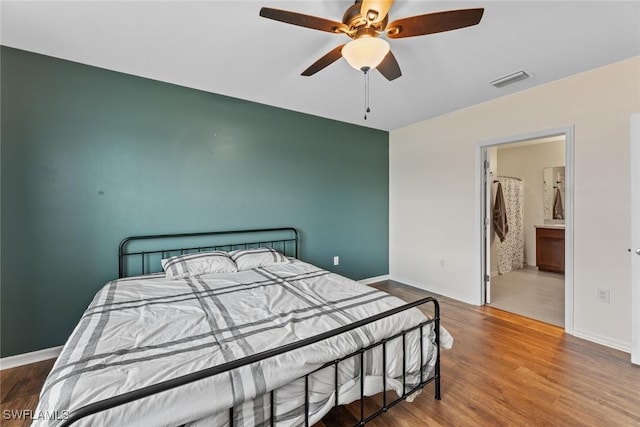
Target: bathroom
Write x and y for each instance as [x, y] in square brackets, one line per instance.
[527, 267]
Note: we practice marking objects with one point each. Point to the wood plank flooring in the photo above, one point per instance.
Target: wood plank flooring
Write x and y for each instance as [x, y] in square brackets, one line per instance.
[19, 390]
[503, 370]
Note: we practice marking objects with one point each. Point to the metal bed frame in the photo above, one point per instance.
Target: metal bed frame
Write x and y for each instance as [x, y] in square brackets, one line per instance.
[289, 245]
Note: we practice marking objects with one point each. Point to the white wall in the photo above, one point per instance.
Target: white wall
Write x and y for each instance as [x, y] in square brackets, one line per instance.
[527, 162]
[433, 223]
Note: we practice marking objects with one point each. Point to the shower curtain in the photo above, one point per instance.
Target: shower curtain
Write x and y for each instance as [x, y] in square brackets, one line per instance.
[511, 250]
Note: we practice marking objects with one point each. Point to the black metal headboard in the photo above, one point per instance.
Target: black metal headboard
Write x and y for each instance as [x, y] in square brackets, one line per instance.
[140, 255]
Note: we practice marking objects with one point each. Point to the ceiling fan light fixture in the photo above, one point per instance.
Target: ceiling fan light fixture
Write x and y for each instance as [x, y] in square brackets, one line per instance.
[365, 53]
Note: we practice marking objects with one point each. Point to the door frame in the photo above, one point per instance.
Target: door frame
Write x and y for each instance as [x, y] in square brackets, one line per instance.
[486, 224]
[481, 149]
[635, 237]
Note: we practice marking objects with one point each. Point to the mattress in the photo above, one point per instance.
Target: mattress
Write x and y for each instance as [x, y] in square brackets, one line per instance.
[144, 330]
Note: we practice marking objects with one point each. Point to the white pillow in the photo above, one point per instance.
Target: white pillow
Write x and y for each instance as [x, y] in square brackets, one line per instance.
[246, 259]
[188, 265]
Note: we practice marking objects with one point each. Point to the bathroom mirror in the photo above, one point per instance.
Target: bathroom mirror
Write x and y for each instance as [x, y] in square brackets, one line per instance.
[553, 193]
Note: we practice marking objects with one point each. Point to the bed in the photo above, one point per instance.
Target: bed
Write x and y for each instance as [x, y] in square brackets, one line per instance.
[236, 330]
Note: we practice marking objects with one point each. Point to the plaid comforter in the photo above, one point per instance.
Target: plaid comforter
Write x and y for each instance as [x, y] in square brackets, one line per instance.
[144, 330]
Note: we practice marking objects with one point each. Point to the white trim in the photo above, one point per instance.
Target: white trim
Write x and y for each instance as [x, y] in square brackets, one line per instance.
[568, 132]
[27, 358]
[434, 290]
[568, 230]
[372, 280]
[635, 237]
[602, 340]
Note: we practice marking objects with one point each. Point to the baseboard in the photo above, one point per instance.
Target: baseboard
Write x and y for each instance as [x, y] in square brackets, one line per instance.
[27, 358]
[372, 280]
[433, 290]
[606, 341]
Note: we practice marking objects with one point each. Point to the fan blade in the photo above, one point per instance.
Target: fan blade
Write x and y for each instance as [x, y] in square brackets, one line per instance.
[302, 20]
[389, 67]
[325, 61]
[376, 9]
[432, 23]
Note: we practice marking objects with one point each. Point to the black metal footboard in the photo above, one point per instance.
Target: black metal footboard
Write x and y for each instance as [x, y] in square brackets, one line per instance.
[225, 367]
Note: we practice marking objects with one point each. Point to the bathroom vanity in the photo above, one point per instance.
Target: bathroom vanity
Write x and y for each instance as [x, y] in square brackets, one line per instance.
[550, 247]
[550, 235]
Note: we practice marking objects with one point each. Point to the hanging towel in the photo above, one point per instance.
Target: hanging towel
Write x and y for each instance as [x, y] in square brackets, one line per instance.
[558, 210]
[500, 223]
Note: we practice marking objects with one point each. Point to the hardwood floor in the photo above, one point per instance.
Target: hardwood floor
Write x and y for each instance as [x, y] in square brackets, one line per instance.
[19, 390]
[503, 369]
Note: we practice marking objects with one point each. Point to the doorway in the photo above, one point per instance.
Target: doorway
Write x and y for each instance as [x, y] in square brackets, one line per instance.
[528, 269]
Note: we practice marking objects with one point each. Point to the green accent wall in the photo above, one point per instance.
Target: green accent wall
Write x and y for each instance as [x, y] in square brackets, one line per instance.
[90, 156]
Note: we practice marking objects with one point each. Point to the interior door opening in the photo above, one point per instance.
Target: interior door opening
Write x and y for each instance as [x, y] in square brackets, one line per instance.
[526, 211]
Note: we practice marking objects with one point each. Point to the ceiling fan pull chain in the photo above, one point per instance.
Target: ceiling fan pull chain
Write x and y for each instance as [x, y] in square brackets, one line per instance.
[365, 95]
[366, 92]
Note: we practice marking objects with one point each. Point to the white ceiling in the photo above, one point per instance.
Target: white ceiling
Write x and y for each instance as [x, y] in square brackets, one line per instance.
[225, 47]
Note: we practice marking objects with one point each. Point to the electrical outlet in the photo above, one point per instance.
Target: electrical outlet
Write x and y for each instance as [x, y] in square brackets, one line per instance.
[336, 260]
[604, 295]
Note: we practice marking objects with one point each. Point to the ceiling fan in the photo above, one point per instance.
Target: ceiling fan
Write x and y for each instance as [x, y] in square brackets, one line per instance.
[364, 22]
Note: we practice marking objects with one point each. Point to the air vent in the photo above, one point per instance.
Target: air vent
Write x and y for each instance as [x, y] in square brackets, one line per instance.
[511, 78]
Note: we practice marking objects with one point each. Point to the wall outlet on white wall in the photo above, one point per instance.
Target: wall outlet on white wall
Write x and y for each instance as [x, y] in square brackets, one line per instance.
[336, 260]
[604, 295]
